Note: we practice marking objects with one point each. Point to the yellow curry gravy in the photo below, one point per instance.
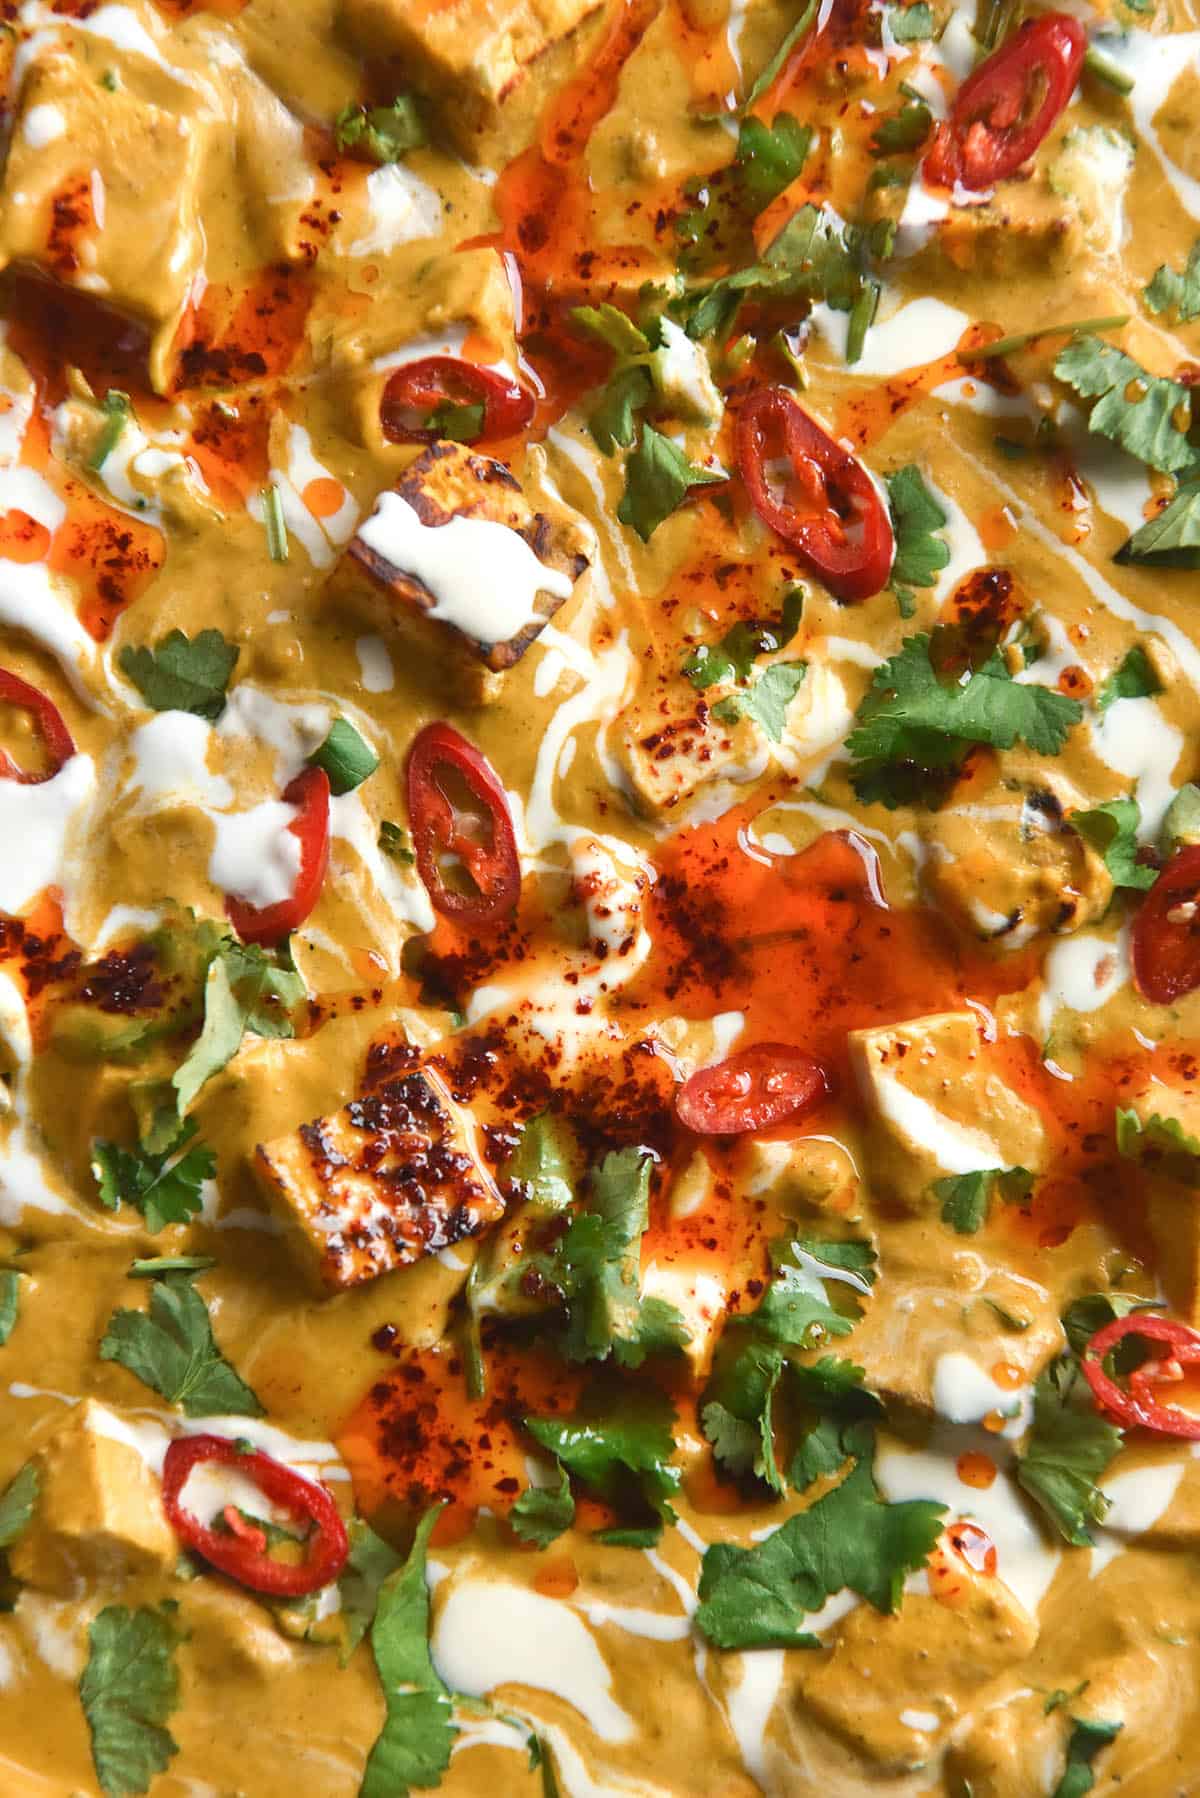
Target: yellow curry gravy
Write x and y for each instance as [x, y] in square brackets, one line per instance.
[183, 223]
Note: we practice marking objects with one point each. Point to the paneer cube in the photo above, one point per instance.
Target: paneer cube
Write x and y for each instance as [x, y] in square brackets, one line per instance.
[895, 1686]
[101, 191]
[458, 564]
[393, 1176]
[938, 1107]
[99, 1517]
[466, 55]
[668, 755]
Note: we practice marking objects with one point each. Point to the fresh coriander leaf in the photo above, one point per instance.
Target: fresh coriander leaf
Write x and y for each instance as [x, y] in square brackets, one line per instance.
[851, 1255]
[965, 1197]
[1172, 291]
[1086, 1740]
[458, 424]
[543, 1164]
[17, 1504]
[1160, 1143]
[911, 24]
[417, 1738]
[618, 1444]
[542, 1513]
[1181, 824]
[219, 1039]
[1067, 1450]
[759, 1597]
[370, 1561]
[613, 423]
[658, 478]
[165, 1188]
[770, 157]
[1084, 1316]
[396, 844]
[1112, 829]
[813, 257]
[129, 1688]
[737, 1407]
[183, 674]
[916, 518]
[903, 130]
[1148, 415]
[734, 656]
[767, 701]
[117, 413]
[1134, 679]
[345, 757]
[1172, 539]
[381, 133]
[775, 65]
[613, 327]
[823, 1452]
[245, 989]
[171, 1347]
[912, 724]
[10, 1301]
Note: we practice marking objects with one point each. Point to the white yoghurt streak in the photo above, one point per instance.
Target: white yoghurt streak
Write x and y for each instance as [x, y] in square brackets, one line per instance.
[484, 577]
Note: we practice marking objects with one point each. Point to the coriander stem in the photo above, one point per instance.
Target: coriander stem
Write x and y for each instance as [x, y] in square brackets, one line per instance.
[1106, 70]
[1004, 346]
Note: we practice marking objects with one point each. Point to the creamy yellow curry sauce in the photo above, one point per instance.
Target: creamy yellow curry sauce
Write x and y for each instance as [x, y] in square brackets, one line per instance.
[601, 1052]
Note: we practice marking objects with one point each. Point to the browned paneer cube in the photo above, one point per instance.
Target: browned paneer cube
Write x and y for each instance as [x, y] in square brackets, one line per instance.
[458, 562]
[99, 1518]
[391, 1177]
[467, 55]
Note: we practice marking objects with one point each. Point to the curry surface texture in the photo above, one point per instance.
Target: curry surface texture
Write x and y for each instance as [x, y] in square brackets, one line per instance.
[627, 388]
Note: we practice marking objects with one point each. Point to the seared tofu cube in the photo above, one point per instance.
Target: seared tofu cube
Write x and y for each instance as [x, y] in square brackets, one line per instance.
[99, 1517]
[467, 55]
[458, 564]
[668, 755]
[894, 1687]
[393, 1176]
[938, 1107]
[101, 192]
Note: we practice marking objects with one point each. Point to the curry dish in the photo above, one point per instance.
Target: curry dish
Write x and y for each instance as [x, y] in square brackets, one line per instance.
[599, 951]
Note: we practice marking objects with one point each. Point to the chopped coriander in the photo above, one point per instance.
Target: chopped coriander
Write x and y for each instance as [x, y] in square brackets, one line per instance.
[183, 674]
[734, 656]
[921, 553]
[619, 1444]
[1085, 1315]
[396, 844]
[381, 133]
[769, 157]
[774, 65]
[172, 1348]
[1086, 1740]
[1181, 825]
[116, 409]
[129, 1688]
[965, 1197]
[1066, 1451]
[1170, 291]
[368, 1565]
[1172, 539]
[17, 1504]
[1134, 679]
[862, 317]
[345, 757]
[614, 422]
[658, 478]
[1004, 346]
[903, 130]
[767, 700]
[911, 24]
[913, 729]
[164, 1187]
[415, 1743]
[1148, 415]
[542, 1166]
[10, 1301]
[1161, 1143]
[759, 1597]
[1010, 1319]
[456, 423]
[613, 327]
[1112, 831]
[542, 1513]
[277, 537]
